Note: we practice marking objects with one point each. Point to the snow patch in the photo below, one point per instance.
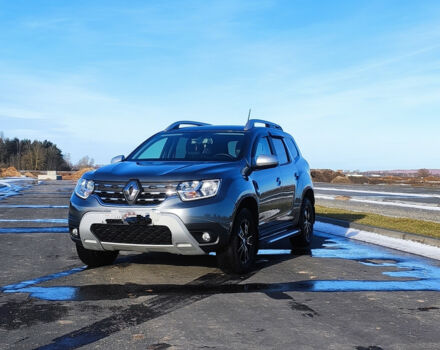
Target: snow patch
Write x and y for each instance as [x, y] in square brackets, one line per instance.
[392, 204]
[400, 194]
[384, 241]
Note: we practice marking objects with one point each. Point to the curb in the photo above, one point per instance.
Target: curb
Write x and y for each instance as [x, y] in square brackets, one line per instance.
[382, 231]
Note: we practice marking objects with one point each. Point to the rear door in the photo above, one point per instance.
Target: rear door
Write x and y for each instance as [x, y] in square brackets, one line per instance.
[295, 157]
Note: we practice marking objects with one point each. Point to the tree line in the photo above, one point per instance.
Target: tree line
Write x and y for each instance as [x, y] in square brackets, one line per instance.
[32, 155]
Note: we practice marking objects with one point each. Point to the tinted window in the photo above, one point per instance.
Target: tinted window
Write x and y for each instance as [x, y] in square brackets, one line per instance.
[154, 151]
[234, 148]
[292, 148]
[192, 146]
[281, 150]
[263, 148]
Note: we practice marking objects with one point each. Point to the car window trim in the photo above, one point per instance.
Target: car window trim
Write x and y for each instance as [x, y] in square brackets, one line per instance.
[254, 148]
[289, 157]
[295, 147]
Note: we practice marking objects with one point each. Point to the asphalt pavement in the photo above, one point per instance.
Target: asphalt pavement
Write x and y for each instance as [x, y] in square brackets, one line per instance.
[421, 203]
[341, 294]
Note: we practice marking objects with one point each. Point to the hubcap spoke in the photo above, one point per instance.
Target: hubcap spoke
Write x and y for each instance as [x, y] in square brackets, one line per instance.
[245, 243]
[307, 223]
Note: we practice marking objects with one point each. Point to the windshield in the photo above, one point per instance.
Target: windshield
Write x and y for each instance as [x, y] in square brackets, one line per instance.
[192, 146]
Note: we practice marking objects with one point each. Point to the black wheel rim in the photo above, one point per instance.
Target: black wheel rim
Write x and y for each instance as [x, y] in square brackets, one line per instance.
[245, 242]
[308, 222]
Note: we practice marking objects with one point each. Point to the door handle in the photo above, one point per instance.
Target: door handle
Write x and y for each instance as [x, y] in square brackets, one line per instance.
[296, 175]
[278, 181]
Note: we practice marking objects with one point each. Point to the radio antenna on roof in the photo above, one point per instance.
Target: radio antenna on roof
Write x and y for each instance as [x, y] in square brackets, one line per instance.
[249, 114]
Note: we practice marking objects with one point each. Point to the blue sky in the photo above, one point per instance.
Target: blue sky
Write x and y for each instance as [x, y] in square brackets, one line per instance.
[357, 83]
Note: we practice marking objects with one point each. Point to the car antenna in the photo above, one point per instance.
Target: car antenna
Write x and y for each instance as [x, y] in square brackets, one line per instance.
[249, 114]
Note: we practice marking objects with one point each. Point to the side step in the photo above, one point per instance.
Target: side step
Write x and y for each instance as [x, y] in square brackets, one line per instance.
[280, 235]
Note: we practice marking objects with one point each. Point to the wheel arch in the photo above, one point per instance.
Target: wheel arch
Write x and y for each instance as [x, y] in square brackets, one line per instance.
[250, 202]
[308, 193]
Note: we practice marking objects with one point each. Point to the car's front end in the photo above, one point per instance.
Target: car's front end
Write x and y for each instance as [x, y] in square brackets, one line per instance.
[176, 206]
[159, 220]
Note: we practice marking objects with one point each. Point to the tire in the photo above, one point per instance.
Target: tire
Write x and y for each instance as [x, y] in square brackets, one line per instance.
[95, 258]
[306, 221]
[239, 256]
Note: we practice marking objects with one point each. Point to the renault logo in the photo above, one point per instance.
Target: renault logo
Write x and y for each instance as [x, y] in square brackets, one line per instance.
[131, 191]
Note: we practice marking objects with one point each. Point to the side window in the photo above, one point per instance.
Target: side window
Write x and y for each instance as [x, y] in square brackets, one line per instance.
[280, 148]
[233, 148]
[292, 148]
[263, 148]
[181, 148]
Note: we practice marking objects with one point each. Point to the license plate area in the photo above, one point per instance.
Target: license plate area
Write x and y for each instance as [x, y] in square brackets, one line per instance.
[131, 219]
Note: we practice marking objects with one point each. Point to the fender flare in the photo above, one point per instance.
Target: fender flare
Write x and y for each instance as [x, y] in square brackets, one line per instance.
[238, 204]
[305, 190]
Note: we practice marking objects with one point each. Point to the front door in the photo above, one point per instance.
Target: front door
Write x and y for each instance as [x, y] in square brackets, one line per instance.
[287, 178]
[269, 187]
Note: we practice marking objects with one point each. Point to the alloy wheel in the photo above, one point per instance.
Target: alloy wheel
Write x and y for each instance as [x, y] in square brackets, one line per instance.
[307, 224]
[245, 242]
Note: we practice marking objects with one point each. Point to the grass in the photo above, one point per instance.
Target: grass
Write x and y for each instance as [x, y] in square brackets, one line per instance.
[419, 227]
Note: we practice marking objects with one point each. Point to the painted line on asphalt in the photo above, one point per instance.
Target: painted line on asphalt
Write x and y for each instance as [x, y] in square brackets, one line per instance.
[12, 287]
[391, 204]
[31, 206]
[24, 230]
[54, 221]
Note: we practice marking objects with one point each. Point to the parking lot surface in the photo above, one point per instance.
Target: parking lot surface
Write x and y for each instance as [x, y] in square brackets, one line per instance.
[341, 294]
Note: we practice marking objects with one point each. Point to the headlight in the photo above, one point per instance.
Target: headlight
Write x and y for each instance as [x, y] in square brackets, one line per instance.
[191, 190]
[84, 188]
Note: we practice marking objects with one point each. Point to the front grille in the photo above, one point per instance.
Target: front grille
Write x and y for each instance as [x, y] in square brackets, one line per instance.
[132, 234]
[151, 193]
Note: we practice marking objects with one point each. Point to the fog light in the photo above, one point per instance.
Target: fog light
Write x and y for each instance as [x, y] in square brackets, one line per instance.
[206, 237]
[75, 232]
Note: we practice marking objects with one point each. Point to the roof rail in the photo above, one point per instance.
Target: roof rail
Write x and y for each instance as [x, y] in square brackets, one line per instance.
[251, 124]
[178, 124]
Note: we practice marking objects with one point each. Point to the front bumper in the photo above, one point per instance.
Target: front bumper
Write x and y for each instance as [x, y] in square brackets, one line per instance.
[182, 240]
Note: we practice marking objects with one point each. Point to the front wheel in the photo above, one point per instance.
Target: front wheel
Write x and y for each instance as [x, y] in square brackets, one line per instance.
[306, 221]
[95, 258]
[239, 256]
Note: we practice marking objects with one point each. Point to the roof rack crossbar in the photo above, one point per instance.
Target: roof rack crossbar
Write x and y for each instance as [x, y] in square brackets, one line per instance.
[178, 124]
[251, 124]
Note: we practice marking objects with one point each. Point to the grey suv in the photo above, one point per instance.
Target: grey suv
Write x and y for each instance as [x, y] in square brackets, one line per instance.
[194, 189]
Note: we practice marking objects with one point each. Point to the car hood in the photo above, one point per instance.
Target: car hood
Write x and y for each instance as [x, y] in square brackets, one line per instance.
[163, 171]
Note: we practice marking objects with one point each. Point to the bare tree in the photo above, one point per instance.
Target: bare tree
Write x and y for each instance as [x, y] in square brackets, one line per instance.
[67, 161]
[37, 155]
[423, 173]
[85, 162]
[52, 157]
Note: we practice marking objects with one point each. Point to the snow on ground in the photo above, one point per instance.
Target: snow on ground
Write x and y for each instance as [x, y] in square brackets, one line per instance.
[11, 186]
[388, 193]
[384, 241]
[378, 202]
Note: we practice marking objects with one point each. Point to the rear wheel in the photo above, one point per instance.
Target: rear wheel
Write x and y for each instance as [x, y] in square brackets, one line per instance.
[239, 256]
[306, 221]
[95, 258]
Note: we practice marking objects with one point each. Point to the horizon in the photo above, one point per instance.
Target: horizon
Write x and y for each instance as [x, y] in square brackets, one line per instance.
[356, 84]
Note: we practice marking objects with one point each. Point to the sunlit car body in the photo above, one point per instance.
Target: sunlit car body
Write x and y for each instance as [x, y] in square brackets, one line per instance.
[196, 190]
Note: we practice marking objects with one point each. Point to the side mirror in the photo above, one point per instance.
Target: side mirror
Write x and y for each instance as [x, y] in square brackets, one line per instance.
[118, 159]
[265, 162]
